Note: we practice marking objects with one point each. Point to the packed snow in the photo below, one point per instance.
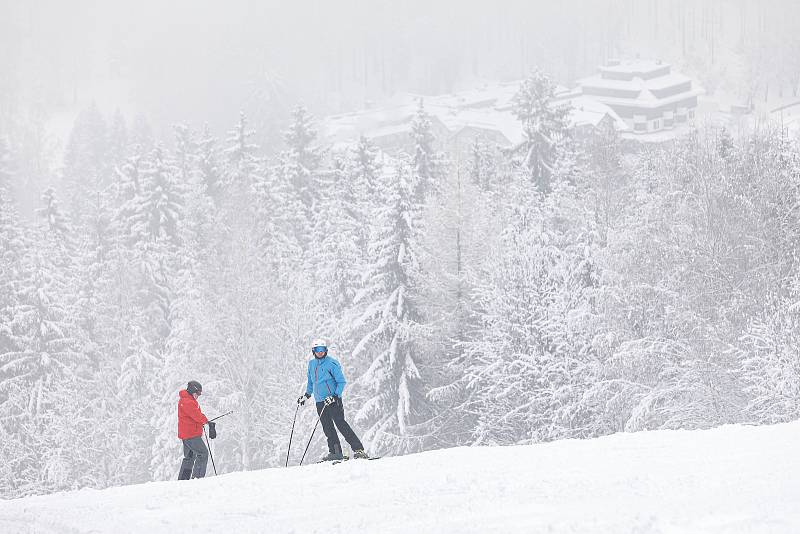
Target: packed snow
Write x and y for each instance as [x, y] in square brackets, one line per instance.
[732, 479]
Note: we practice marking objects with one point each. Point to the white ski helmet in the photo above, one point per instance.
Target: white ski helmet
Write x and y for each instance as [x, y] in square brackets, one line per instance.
[319, 343]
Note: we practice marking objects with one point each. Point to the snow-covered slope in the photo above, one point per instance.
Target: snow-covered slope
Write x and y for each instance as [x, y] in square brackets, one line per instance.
[725, 480]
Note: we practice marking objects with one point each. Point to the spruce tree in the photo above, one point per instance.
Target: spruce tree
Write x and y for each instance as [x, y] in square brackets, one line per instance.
[208, 164]
[12, 250]
[242, 162]
[54, 219]
[301, 159]
[527, 372]
[427, 164]
[544, 127]
[396, 407]
[158, 208]
[288, 193]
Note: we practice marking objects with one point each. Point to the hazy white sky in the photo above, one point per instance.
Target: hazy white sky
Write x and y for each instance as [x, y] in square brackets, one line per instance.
[204, 60]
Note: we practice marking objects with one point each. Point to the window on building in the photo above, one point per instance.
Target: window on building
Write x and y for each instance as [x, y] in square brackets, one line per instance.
[656, 124]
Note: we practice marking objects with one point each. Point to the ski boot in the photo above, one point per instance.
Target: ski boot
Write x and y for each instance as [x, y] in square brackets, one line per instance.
[360, 454]
[335, 454]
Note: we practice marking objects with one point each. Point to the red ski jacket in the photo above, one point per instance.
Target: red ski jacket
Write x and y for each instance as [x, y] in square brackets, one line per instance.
[190, 418]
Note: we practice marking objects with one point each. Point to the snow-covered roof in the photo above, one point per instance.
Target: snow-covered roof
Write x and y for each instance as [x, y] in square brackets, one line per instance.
[649, 100]
[645, 88]
[488, 95]
[500, 122]
[588, 111]
[636, 84]
[634, 66]
[487, 108]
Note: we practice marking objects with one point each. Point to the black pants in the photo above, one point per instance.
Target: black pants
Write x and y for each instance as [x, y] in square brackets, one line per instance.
[334, 415]
[195, 459]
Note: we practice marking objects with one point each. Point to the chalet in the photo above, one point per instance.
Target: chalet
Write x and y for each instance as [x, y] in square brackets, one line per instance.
[647, 95]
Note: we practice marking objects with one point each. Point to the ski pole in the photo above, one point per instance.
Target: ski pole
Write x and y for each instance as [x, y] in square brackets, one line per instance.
[290, 435]
[319, 418]
[223, 415]
[209, 452]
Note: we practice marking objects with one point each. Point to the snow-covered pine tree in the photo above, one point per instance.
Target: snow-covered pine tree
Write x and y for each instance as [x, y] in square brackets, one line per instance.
[13, 251]
[527, 370]
[13, 273]
[200, 213]
[242, 162]
[364, 171]
[147, 262]
[208, 164]
[125, 195]
[483, 167]
[288, 193]
[186, 356]
[603, 177]
[544, 126]
[242, 171]
[458, 231]
[301, 159]
[185, 153]
[395, 409]
[159, 206]
[104, 413]
[151, 223]
[54, 219]
[43, 373]
[126, 310]
[337, 257]
[427, 164]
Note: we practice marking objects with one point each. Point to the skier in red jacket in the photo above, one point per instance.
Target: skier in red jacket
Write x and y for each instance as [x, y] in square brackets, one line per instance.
[190, 428]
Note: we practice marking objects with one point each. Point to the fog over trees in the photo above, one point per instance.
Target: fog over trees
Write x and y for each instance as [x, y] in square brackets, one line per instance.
[170, 211]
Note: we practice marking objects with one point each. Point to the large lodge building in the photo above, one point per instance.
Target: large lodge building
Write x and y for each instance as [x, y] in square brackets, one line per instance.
[643, 100]
[647, 95]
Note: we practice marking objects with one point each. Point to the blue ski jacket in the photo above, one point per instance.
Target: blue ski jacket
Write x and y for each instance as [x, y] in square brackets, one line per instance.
[325, 378]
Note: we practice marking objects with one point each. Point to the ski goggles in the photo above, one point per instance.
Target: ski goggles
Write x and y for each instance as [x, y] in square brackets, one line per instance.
[319, 350]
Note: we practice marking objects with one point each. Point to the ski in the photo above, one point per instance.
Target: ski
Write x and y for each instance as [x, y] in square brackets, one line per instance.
[345, 458]
[348, 459]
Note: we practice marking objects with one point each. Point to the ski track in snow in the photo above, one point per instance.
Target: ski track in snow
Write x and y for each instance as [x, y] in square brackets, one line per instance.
[732, 479]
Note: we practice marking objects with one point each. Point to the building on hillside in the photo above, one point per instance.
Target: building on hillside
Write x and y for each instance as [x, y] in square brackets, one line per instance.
[588, 116]
[646, 94]
[458, 120]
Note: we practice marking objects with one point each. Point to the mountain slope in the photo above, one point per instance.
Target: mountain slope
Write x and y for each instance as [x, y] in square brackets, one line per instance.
[724, 480]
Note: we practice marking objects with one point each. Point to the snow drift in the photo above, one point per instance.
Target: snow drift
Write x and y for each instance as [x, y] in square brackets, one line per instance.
[725, 480]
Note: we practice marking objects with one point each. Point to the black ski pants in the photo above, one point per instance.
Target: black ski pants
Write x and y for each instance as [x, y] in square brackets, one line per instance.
[334, 415]
[195, 459]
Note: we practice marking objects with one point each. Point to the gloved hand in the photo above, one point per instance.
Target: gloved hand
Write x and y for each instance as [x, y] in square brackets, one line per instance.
[330, 399]
[301, 400]
[212, 430]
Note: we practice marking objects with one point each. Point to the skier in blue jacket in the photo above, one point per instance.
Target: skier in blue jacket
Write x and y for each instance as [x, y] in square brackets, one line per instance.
[326, 382]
